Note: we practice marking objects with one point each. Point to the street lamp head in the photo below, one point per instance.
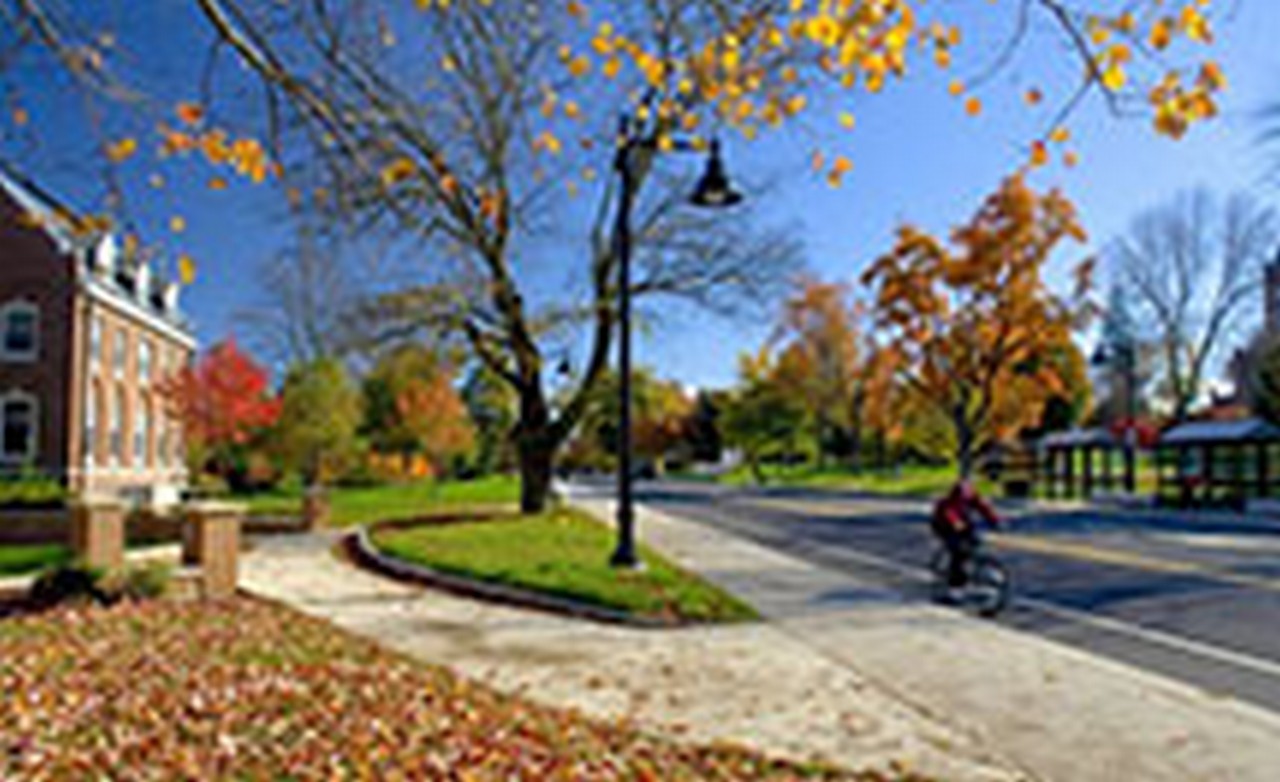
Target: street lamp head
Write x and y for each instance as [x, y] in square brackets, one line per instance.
[1101, 356]
[714, 190]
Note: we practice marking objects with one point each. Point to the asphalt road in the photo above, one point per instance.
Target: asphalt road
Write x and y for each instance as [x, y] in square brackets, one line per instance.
[1194, 599]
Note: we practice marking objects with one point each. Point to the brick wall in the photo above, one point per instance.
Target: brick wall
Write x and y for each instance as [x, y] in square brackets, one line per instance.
[31, 270]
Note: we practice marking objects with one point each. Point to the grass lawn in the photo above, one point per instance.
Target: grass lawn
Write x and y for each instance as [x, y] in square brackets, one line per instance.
[361, 505]
[565, 553]
[246, 690]
[910, 481]
[20, 559]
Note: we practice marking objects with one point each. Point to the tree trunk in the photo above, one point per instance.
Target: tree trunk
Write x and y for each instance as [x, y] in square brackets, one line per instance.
[964, 449]
[537, 458]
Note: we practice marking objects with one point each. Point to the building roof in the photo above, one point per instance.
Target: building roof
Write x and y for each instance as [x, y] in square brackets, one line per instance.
[1210, 432]
[125, 283]
[55, 218]
[1079, 438]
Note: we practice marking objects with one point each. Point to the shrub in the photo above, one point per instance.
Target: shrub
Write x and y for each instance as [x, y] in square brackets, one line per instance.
[78, 583]
[148, 581]
[31, 490]
[69, 584]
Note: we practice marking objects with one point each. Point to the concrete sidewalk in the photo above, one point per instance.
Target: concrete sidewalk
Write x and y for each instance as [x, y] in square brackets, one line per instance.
[753, 685]
[1057, 712]
[844, 670]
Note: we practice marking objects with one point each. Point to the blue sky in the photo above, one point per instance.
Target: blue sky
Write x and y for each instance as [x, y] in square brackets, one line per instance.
[917, 158]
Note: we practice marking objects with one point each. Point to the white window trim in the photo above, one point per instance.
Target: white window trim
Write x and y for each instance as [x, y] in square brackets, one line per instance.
[33, 444]
[97, 331]
[119, 351]
[147, 348]
[19, 306]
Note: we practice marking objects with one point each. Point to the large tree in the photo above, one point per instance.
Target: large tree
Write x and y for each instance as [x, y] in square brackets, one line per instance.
[319, 416]
[412, 408]
[974, 327]
[1194, 267]
[468, 127]
[224, 402]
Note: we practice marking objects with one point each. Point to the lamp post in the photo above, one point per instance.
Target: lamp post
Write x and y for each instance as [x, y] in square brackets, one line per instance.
[712, 191]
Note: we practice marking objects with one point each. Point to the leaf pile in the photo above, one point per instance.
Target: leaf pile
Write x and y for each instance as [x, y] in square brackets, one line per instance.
[246, 690]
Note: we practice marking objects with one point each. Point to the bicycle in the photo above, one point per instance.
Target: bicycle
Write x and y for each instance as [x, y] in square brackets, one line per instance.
[988, 584]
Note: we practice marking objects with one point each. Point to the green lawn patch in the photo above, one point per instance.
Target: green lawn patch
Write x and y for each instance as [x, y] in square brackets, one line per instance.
[908, 481]
[245, 690]
[16, 560]
[362, 505]
[563, 553]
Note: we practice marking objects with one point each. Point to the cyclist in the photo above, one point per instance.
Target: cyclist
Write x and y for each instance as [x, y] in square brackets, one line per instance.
[954, 524]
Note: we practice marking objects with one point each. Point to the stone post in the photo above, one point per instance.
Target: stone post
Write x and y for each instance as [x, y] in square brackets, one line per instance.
[315, 508]
[97, 533]
[211, 541]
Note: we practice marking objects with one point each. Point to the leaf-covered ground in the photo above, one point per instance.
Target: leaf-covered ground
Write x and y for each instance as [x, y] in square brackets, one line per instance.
[247, 690]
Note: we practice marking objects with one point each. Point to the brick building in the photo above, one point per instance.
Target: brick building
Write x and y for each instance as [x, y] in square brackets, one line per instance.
[87, 337]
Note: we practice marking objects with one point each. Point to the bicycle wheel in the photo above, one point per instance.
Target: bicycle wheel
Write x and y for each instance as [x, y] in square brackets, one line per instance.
[940, 569]
[990, 585]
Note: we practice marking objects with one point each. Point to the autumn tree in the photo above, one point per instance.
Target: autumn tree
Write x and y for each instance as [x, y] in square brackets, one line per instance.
[319, 414]
[974, 327]
[829, 358]
[661, 417]
[761, 418]
[467, 128]
[413, 408]
[493, 408]
[1194, 267]
[224, 401]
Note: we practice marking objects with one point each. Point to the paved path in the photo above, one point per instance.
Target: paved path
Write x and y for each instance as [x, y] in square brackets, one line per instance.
[749, 684]
[845, 669]
[1196, 599]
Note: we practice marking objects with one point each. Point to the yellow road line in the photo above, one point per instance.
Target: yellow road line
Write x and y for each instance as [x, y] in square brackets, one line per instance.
[1130, 559]
[1037, 545]
[831, 509]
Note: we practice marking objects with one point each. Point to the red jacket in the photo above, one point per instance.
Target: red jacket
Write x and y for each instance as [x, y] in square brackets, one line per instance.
[954, 509]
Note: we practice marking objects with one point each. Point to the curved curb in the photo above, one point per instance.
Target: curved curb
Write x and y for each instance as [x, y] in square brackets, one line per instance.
[361, 546]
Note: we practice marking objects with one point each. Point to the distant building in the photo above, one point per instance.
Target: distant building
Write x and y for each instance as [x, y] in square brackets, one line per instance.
[86, 338]
[1242, 362]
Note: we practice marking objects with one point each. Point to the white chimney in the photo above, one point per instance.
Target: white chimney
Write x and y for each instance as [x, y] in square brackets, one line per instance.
[142, 285]
[170, 297]
[107, 256]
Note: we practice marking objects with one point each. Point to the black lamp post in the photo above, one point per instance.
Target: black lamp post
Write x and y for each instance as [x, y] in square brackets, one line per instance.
[1127, 356]
[712, 191]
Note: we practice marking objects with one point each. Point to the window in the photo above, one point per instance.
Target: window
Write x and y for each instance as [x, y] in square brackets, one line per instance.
[144, 361]
[95, 341]
[120, 353]
[141, 435]
[18, 416]
[19, 331]
[117, 428]
[91, 427]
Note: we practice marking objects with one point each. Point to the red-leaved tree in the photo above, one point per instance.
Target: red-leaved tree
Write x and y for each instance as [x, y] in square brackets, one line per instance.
[223, 402]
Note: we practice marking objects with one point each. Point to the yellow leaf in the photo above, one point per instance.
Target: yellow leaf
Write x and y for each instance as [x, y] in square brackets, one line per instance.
[177, 224]
[186, 269]
[122, 150]
[847, 120]
[1060, 135]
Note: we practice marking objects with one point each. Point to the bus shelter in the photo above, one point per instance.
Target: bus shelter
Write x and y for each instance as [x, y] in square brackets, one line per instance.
[1218, 463]
[1084, 462]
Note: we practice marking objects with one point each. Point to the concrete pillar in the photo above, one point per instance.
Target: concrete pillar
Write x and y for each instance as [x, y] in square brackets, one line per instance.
[97, 533]
[211, 541]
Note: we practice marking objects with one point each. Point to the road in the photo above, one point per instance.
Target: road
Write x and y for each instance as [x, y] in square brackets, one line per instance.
[1196, 600]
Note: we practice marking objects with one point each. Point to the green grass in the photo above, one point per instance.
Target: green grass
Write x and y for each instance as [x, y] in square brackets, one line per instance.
[563, 553]
[910, 481]
[18, 560]
[362, 505]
